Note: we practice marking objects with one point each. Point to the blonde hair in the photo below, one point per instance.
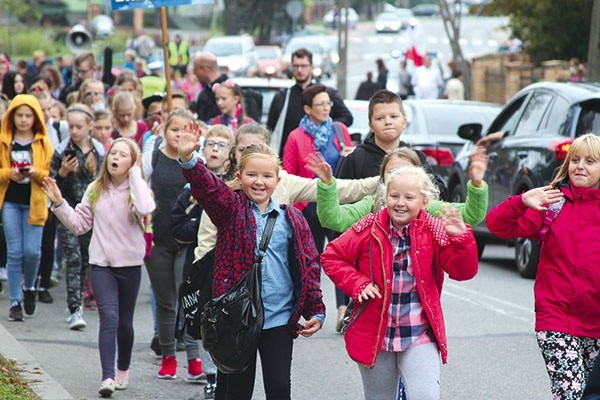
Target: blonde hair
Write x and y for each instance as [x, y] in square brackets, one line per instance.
[81, 94]
[221, 131]
[102, 182]
[179, 113]
[402, 153]
[586, 144]
[90, 163]
[424, 181]
[256, 150]
[123, 99]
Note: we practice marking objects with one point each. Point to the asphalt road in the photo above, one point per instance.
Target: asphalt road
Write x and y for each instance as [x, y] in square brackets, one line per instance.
[492, 350]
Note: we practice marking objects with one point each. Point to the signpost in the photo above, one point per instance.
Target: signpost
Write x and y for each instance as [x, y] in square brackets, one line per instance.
[131, 4]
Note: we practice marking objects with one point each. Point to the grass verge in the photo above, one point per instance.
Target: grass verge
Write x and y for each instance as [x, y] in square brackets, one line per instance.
[12, 386]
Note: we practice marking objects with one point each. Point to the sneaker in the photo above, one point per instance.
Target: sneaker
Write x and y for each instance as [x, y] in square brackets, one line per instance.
[168, 369]
[29, 301]
[121, 379]
[44, 296]
[3, 274]
[107, 388]
[194, 370]
[209, 390]
[15, 313]
[75, 320]
[155, 346]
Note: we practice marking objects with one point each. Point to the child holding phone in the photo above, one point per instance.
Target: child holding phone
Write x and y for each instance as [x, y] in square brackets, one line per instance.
[25, 153]
[74, 166]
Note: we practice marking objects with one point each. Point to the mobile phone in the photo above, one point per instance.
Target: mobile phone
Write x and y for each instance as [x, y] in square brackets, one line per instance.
[70, 153]
[24, 170]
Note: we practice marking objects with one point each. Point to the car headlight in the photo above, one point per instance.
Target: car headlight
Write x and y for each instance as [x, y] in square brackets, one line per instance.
[335, 58]
[379, 26]
[270, 70]
[317, 71]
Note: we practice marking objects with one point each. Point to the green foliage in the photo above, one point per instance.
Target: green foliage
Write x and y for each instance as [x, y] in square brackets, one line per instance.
[551, 29]
[20, 41]
[11, 385]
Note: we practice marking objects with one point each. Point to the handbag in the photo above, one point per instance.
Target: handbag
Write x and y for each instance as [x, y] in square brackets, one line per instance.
[352, 314]
[231, 324]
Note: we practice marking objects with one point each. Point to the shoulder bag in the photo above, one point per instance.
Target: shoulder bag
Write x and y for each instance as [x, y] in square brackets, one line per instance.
[232, 323]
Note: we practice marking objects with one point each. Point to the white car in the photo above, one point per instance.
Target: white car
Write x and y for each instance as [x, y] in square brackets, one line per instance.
[388, 22]
[330, 19]
[236, 52]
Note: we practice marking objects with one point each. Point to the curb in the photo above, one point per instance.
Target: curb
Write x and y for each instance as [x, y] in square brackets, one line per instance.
[38, 379]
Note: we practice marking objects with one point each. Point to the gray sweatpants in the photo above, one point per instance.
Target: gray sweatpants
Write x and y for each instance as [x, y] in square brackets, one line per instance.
[419, 368]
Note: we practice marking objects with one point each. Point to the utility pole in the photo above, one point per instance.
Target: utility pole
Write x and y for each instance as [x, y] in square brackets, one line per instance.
[593, 64]
[342, 28]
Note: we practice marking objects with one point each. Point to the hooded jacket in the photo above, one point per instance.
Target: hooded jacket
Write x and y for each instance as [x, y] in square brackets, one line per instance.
[567, 283]
[348, 261]
[41, 150]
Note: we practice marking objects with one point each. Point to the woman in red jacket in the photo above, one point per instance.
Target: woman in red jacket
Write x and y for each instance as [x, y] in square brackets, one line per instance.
[565, 217]
[392, 264]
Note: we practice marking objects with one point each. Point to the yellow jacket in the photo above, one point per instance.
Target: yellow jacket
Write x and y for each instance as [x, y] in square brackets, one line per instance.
[41, 149]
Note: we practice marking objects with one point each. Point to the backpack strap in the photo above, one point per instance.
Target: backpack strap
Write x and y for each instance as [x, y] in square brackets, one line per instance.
[551, 214]
[337, 128]
[155, 150]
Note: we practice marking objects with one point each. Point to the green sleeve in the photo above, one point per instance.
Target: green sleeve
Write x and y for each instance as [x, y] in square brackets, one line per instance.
[338, 217]
[473, 210]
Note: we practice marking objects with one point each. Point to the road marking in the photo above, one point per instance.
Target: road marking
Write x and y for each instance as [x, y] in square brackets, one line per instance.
[495, 304]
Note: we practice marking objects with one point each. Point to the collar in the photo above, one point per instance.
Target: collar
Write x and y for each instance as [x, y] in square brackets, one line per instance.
[273, 205]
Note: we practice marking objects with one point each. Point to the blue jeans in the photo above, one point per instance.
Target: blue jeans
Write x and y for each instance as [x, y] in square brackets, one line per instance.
[23, 248]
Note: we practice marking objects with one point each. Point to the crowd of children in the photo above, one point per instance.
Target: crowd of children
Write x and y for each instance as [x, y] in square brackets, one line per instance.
[99, 175]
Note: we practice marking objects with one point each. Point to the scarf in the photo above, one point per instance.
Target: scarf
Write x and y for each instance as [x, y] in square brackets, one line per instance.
[321, 133]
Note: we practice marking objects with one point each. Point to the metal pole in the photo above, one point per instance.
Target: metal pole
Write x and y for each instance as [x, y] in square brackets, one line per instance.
[165, 40]
[342, 51]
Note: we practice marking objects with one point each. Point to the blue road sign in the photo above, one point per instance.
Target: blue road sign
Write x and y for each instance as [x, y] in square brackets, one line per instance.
[130, 4]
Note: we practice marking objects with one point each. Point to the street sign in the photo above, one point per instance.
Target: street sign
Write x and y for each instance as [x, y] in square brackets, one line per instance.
[130, 4]
[294, 9]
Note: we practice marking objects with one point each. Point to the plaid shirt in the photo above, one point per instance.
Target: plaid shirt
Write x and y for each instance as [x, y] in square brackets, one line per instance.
[407, 323]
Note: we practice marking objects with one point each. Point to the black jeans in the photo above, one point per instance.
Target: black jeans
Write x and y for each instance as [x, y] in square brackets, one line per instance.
[275, 349]
[47, 257]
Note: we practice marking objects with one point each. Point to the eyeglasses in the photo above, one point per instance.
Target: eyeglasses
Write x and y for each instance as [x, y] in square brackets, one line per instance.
[83, 71]
[300, 66]
[211, 144]
[324, 104]
[91, 94]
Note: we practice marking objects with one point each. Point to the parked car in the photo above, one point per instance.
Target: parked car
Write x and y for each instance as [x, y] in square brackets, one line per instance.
[270, 61]
[407, 17]
[388, 22]
[267, 87]
[432, 125]
[236, 52]
[319, 46]
[360, 126]
[539, 122]
[426, 10]
[330, 19]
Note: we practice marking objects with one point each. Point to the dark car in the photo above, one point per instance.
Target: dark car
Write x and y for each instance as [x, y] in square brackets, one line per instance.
[432, 125]
[539, 122]
[426, 10]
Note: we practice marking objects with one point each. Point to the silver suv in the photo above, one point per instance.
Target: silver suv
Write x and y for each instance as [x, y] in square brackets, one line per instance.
[236, 52]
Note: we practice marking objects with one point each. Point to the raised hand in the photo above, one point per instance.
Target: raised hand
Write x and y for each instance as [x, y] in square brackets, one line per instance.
[453, 221]
[51, 189]
[478, 166]
[317, 164]
[537, 198]
[187, 144]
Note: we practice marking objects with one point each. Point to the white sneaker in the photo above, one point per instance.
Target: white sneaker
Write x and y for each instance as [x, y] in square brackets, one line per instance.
[75, 320]
[107, 388]
[3, 274]
[121, 379]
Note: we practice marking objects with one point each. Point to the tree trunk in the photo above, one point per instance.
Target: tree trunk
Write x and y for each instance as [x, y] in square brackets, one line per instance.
[230, 20]
[452, 27]
[593, 64]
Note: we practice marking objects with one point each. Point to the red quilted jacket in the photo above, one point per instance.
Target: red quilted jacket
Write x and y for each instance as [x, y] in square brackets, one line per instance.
[231, 212]
[346, 261]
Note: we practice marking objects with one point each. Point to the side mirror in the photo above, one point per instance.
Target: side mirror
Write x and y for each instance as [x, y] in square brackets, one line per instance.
[470, 132]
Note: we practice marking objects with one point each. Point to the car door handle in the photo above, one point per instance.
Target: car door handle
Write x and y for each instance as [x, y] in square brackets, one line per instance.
[522, 154]
[493, 155]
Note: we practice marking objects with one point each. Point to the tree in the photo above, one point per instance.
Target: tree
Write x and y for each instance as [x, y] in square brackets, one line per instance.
[550, 29]
[593, 66]
[451, 17]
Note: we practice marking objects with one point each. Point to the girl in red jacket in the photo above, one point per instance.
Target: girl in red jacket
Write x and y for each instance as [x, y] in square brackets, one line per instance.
[392, 264]
[564, 216]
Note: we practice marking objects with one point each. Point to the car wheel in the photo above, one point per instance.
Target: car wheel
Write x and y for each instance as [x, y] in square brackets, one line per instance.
[527, 253]
[457, 195]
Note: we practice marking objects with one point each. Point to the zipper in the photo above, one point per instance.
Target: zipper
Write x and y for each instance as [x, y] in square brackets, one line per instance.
[385, 294]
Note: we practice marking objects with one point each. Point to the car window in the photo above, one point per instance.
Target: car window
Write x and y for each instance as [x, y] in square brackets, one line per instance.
[224, 49]
[556, 117]
[589, 118]
[533, 113]
[507, 120]
[444, 120]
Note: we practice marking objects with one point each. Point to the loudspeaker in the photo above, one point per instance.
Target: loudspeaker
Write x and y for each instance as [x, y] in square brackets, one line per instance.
[101, 27]
[79, 39]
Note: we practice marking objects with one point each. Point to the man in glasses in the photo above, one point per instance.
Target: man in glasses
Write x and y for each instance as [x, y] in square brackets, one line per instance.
[286, 109]
[85, 67]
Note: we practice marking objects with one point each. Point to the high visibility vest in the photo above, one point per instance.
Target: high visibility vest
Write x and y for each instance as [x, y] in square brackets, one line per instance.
[152, 84]
[175, 52]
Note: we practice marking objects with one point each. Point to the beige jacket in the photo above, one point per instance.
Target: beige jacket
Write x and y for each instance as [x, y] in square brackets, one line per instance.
[291, 189]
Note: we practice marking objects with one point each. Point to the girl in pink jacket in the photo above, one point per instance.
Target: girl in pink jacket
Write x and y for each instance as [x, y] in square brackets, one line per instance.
[392, 265]
[565, 217]
[114, 205]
